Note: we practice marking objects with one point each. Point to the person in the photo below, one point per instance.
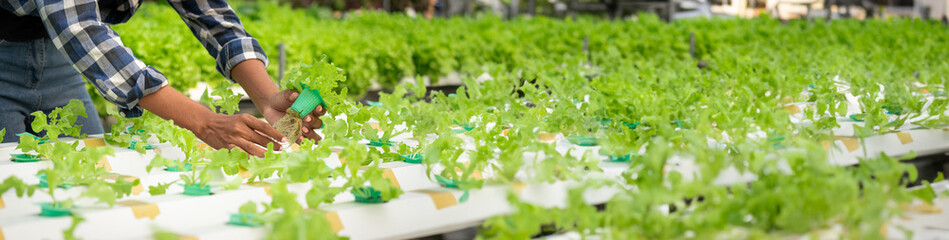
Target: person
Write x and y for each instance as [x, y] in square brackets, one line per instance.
[48, 46]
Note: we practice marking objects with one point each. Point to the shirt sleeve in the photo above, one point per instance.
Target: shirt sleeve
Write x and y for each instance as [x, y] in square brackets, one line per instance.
[216, 25]
[76, 29]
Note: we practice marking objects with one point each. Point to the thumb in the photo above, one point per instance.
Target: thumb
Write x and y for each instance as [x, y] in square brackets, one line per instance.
[284, 99]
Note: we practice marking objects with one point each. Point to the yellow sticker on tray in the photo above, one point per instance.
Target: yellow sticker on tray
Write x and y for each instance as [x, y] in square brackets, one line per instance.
[141, 209]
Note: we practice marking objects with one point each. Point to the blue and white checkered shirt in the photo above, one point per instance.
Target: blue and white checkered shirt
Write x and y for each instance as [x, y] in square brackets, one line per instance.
[80, 30]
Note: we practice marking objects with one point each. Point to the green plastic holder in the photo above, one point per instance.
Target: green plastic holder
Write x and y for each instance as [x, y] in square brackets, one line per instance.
[605, 123]
[307, 101]
[51, 210]
[138, 132]
[186, 167]
[133, 143]
[412, 158]
[367, 195]
[41, 140]
[582, 141]
[377, 143]
[464, 128]
[624, 158]
[245, 219]
[446, 182]
[894, 110]
[631, 125]
[197, 190]
[373, 103]
[24, 157]
[857, 117]
[45, 183]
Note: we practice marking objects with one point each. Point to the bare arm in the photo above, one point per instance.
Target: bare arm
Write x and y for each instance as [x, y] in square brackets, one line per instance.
[272, 103]
[217, 130]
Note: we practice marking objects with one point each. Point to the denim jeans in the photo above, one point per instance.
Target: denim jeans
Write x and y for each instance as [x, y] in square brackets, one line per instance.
[35, 76]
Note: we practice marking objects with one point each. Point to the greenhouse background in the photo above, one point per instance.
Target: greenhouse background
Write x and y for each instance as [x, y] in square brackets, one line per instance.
[510, 119]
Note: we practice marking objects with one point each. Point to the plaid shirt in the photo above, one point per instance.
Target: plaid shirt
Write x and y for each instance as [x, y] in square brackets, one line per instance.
[80, 30]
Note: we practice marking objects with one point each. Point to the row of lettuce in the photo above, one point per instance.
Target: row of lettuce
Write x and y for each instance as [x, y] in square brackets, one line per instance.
[637, 93]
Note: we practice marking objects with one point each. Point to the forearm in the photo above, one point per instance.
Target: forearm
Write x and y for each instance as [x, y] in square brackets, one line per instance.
[169, 103]
[253, 78]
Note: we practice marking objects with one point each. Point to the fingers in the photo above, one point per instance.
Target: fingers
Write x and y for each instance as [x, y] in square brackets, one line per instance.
[284, 99]
[250, 148]
[319, 111]
[313, 119]
[311, 135]
[261, 126]
[259, 139]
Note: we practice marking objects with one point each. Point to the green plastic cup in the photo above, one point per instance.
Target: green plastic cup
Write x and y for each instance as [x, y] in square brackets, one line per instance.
[45, 183]
[197, 190]
[245, 219]
[146, 146]
[446, 182]
[185, 167]
[378, 143]
[624, 158]
[24, 157]
[367, 195]
[582, 141]
[412, 158]
[307, 101]
[52, 210]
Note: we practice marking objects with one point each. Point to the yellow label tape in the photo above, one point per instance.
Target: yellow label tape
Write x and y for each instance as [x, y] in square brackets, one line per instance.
[264, 185]
[141, 209]
[441, 199]
[2, 204]
[518, 187]
[904, 137]
[335, 223]
[852, 144]
[546, 137]
[93, 142]
[104, 163]
[387, 173]
[341, 160]
[1, 234]
[137, 189]
[244, 173]
[793, 109]
[476, 173]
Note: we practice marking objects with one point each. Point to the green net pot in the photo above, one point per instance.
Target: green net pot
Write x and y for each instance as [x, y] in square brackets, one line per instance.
[45, 183]
[53, 210]
[41, 140]
[307, 101]
[582, 141]
[379, 143]
[412, 158]
[446, 182]
[624, 158]
[245, 219]
[463, 128]
[145, 146]
[197, 190]
[24, 157]
[176, 168]
[367, 195]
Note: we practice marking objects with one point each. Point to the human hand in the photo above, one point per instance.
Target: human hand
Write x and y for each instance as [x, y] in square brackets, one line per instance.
[281, 101]
[239, 131]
